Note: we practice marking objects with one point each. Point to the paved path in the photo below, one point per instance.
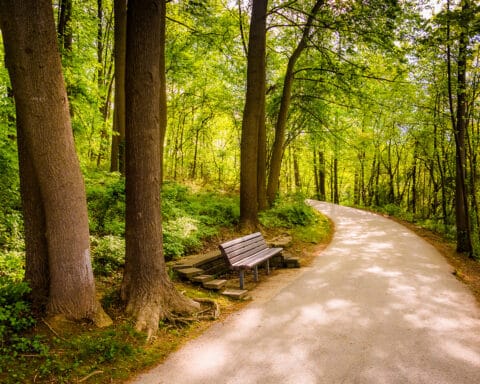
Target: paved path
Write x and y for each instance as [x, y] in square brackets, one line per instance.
[379, 305]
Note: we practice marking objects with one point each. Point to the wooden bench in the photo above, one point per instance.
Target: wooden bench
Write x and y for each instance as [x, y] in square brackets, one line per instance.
[248, 252]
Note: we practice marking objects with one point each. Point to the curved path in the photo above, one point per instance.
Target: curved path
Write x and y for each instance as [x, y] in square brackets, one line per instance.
[379, 305]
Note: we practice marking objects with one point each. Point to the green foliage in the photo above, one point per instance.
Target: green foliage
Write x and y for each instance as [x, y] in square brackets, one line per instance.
[10, 218]
[190, 218]
[108, 254]
[12, 265]
[106, 203]
[314, 233]
[11, 230]
[289, 212]
[16, 319]
[65, 359]
[110, 346]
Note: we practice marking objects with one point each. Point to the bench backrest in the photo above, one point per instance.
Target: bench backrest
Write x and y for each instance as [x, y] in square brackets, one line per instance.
[243, 247]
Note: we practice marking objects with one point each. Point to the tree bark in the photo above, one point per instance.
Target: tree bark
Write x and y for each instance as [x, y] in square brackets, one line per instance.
[36, 246]
[262, 162]
[336, 198]
[41, 103]
[321, 176]
[162, 99]
[64, 29]
[296, 172]
[149, 293]
[253, 117]
[117, 162]
[278, 147]
[316, 173]
[459, 123]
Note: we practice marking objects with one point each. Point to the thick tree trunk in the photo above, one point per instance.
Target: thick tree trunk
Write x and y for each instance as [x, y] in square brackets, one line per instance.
[278, 147]
[253, 117]
[41, 102]
[117, 162]
[36, 248]
[149, 293]
[162, 98]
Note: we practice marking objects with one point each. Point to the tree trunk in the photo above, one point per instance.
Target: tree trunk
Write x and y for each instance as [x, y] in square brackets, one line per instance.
[321, 176]
[296, 171]
[41, 103]
[262, 162]
[64, 29]
[36, 246]
[162, 98]
[193, 172]
[149, 293]
[253, 117]
[316, 172]
[280, 127]
[117, 162]
[464, 243]
[336, 198]
[414, 182]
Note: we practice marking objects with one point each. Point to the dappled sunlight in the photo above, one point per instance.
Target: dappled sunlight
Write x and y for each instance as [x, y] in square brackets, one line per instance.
[460, 351]
[212, 357]
[376, 270]
[378, 306]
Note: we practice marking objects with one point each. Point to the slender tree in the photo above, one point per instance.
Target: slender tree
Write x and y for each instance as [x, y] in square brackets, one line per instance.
[48, 156]
[117, 158]
[278, 147]
[64, 29]
[459, 124]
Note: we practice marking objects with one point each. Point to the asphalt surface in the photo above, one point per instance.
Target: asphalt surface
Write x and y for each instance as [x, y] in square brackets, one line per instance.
[378, 305]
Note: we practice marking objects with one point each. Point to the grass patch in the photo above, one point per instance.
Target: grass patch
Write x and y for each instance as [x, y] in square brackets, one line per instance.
[68, 352]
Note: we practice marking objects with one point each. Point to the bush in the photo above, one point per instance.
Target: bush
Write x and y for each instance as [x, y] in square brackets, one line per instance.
[11, 230]
[15, 319]
[190, 218]
[108, 254]
[12, 265]
[288, 213]
[106, 204]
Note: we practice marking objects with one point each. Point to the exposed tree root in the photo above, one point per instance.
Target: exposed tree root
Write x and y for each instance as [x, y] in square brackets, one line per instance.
[89, 375]
[211, 313]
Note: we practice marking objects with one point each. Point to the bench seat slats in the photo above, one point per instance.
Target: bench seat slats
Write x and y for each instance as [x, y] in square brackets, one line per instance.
[245, 252]
[256, 259]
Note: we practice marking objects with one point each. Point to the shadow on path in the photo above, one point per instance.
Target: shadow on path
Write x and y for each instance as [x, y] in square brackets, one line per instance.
[379, 305]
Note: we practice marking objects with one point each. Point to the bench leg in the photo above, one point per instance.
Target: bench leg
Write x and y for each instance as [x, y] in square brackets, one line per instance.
[241, 272]
[255, 273]
[268, 266]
